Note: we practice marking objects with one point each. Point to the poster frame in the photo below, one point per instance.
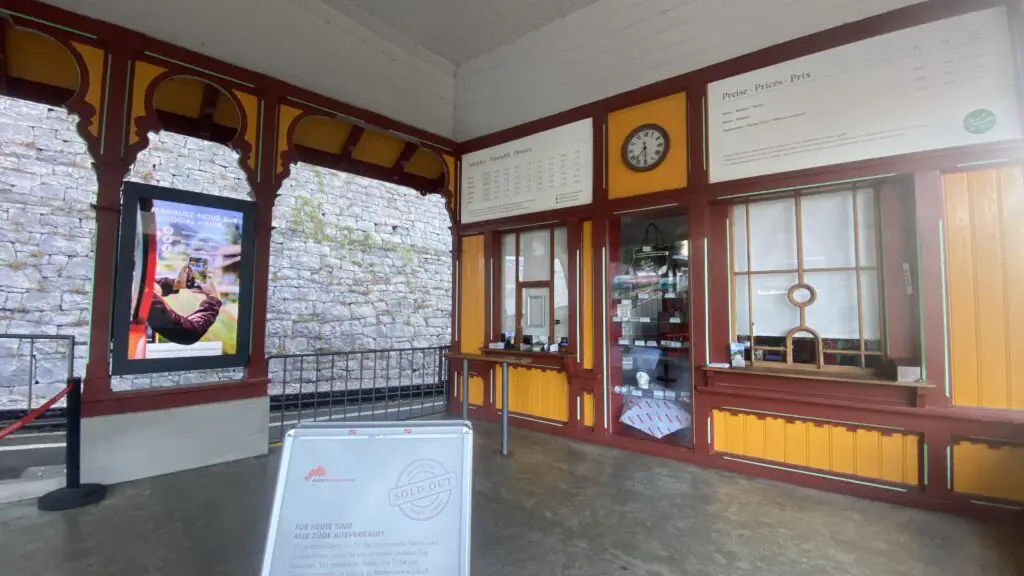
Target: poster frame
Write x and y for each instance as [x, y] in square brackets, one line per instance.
[120, 364]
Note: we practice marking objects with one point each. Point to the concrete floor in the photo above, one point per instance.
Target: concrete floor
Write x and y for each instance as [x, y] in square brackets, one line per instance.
[555, 508]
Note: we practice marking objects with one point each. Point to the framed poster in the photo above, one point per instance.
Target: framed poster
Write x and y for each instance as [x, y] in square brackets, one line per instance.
[183, 292]
[540, 172]
[938, 85]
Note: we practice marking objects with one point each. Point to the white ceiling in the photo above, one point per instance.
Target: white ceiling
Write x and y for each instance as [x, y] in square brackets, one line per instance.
[458, 30]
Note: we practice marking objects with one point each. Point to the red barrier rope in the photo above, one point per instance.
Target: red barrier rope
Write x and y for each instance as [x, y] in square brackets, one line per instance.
[18, 424]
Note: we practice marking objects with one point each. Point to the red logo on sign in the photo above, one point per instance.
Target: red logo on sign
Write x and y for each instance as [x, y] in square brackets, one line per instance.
[318, 472]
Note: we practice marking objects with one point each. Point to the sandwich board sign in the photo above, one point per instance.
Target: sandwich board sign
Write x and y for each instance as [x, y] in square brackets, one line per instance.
[372, 499]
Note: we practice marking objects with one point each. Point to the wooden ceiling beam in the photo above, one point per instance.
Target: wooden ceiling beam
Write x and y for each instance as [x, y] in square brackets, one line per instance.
[3, 56]
[37, 92]
[368, 170]
[351, 141]
[408, 151]
[207, 108]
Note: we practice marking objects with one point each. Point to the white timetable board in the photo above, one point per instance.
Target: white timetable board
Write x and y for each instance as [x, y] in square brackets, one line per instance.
[544, 171]
[947, 83]
[372, 499]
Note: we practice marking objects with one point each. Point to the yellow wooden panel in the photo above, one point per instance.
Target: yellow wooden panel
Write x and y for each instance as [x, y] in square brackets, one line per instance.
[819, 447]
[471, 294]
[1012, 185]
[32, 56]
[989, 287]
[587, 296]
[378, 148]
[868, 453]
[963, 330]
[843, 450]
[539, 393]
[250, 107]
[891, 457]
[588, 409]
[734, 433]
[322, 133]
[775, 439]
[719, 433]
[911, 458]
[476, 390]
[181, 95]
[983, 211]
[989, 471]
[670, 114]
[796, 443]
[144, 75]
[95, 60]
[425, 163]
[753, 436]
[285, 116]
[226, 114]
[828, 447]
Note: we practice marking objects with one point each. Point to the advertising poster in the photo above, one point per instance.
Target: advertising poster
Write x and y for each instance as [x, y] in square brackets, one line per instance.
[184, 279]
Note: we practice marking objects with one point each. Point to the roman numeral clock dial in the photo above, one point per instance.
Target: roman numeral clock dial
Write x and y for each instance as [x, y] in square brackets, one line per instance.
[645, 148]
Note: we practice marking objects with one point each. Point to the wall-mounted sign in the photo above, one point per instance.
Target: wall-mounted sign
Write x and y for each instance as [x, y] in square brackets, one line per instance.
[372, 499]
[545, 171]
[938, 85]
[184, 281]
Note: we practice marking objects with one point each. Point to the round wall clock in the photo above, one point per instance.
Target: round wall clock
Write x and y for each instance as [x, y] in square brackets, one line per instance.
[645, 148]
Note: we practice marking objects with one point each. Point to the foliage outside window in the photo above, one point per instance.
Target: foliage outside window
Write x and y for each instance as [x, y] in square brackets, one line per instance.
[535, 288]
[806, 283]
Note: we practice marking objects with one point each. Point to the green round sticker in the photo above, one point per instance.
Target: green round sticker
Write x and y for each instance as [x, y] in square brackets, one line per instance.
[980, 121]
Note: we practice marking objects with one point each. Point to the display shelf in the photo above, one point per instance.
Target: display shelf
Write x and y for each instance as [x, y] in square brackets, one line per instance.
[656, 393]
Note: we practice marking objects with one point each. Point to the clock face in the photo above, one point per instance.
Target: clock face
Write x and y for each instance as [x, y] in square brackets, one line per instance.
[645, 148]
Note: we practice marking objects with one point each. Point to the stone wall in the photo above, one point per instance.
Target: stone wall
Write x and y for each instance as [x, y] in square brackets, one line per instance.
[355, 263]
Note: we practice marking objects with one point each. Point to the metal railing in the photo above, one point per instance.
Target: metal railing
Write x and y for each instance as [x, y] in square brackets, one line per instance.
[385, 385]
[33, 368]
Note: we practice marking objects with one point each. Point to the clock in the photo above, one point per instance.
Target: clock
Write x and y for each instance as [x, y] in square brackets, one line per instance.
[645, 148]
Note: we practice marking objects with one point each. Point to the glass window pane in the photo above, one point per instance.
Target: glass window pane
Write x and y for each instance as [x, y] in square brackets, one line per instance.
[508, 280]
[834, 313]
[535, 252]
[827, 226]
[773, 235]
[561, 284]
[773, 314]
[739, 238]
[741, 289]
[867, 227]
[870, 302]
[536, 314]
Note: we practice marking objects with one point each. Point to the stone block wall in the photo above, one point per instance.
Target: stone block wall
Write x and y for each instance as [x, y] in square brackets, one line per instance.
[355, 263]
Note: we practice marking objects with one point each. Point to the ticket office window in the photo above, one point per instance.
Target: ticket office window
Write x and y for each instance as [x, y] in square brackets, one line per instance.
[806, 281]
[535, 288]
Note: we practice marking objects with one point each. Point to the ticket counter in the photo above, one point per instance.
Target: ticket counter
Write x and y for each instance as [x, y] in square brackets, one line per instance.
[747, 267]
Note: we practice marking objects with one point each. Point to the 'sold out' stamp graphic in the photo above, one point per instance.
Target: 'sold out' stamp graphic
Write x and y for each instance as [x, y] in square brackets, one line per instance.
[423, 490]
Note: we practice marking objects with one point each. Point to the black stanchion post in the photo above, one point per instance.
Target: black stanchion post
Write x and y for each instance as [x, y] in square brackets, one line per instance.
[74, 494]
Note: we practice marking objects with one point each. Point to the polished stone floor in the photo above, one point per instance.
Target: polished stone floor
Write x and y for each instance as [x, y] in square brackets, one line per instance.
[555, 508]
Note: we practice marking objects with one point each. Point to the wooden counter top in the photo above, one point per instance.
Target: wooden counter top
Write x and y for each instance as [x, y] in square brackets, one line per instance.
[823, 376]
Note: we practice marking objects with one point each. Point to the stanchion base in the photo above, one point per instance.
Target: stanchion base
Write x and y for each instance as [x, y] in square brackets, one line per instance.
[503, 454]
[71, 498]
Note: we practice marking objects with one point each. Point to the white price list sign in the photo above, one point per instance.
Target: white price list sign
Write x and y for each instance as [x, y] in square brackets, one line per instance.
[939, 85]
[373, 499]
[544, 171]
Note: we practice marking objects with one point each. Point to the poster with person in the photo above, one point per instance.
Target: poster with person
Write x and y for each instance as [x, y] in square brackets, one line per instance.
[184, 281]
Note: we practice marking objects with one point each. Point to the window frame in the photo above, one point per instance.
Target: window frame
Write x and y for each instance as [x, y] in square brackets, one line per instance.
[521, 285]
[734, 276]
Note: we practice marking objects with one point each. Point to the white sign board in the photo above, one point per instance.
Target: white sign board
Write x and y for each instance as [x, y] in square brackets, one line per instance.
[543, 171]
[943, 84]
[375, 499]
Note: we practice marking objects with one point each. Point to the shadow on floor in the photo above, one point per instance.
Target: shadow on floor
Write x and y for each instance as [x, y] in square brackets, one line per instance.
[556, 507]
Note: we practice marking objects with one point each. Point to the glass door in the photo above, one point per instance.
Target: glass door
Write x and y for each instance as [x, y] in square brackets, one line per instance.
[649, 330]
